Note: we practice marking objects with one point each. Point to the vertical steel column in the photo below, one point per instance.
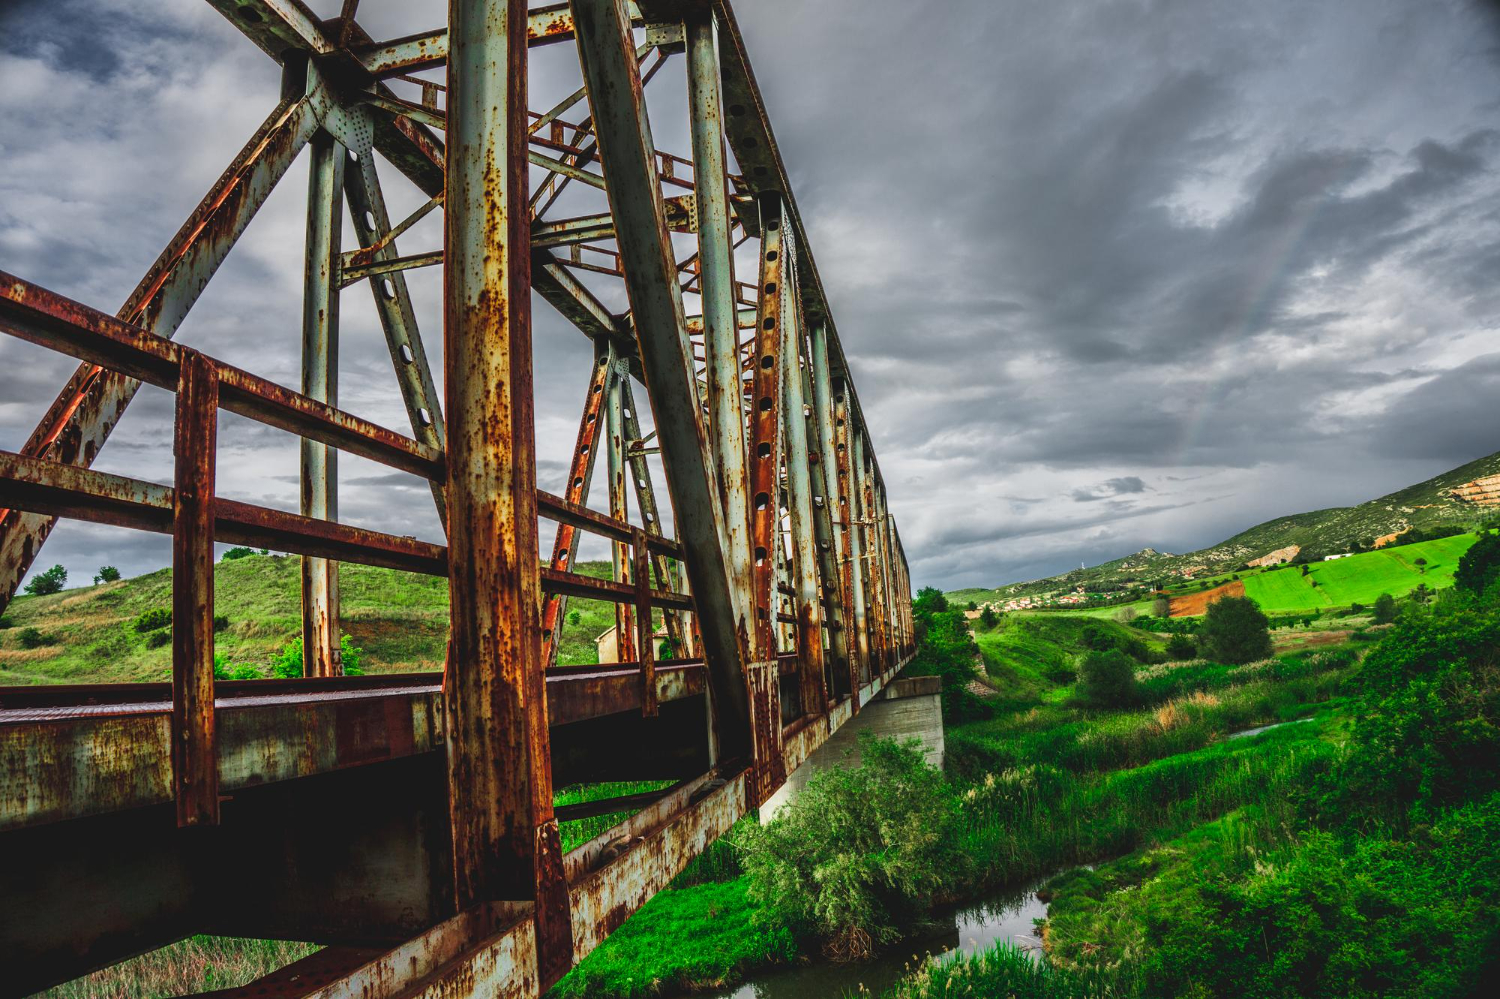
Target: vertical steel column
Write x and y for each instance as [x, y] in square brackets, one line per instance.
[799, 489]
[397, 316]
[875, 600]
[645, 498]
[195, 766]
[765, 489]
[320, 381]
[610, 70]
[641, 556]
[505, 837]
[619, 508]
[887, 599]
[580, 474]
[726, 415]
[825, 506]
[857, 546]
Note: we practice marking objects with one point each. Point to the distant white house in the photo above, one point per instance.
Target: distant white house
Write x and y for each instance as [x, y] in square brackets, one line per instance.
[1335, 558]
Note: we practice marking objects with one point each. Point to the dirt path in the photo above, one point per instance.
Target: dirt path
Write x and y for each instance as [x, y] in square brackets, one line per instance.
[1196, 603]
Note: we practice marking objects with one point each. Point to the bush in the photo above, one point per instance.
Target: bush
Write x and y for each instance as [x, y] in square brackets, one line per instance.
[237, 553]
[47, 582]
[1235, 631]
[1428, 728]
[288, 663]
[225, 670]
[1385, 609]
[156, 617]
[5, 622]
[1480, 565]
[1107, 679]
[31, 638]
[861, 853]
[107, 574]
[157, 639]
[221, 621]
[1181, 647]
[988, 617]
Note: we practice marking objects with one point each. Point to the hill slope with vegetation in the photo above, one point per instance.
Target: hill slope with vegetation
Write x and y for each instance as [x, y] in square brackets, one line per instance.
[1428, 506]
[114, 632]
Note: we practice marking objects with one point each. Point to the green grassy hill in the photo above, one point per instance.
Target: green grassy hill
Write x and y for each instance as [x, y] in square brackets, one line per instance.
[1425, 505]
[399, 619]
[1359, 578]
[1034, 655]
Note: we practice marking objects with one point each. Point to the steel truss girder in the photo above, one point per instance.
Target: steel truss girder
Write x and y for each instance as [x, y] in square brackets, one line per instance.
[524, 912]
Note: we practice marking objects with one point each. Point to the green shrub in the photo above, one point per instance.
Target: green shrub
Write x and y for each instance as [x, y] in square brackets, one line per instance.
[156, 617]
[237, 553]
[107, 574]
[5, 622]
[1181, 647]
[221, 621]
[860, 852]
[225, 670]
[1480, 565]
[1384, 611]
[288, 663]
[47, 582]
[1235, 631]
[1107, 679]
[157, 639]
[32, 638]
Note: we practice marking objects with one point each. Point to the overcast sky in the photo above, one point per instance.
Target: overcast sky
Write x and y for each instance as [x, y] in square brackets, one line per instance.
[1110, 274]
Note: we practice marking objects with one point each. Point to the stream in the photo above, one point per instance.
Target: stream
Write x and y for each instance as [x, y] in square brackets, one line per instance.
[964, 929]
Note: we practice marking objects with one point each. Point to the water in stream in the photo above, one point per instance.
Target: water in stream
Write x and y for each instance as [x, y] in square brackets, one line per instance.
[963, 930]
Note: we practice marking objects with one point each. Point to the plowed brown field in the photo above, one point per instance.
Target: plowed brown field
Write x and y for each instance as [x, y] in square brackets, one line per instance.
[1197, 603]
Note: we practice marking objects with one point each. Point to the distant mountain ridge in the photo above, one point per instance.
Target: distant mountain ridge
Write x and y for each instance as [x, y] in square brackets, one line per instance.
[1426, 505]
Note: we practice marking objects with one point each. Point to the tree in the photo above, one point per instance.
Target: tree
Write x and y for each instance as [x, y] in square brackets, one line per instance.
[47, 582]
[107, 574]
[1181, 647]
[237, 553]
[1385, 609]
[1480, 565]
[929, 600]
[988, 617]
[1235, 631]
[1161, 606]
[1107, 679]
[973, 606]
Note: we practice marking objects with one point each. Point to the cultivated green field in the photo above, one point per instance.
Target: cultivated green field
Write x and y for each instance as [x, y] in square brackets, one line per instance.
[1359, 578]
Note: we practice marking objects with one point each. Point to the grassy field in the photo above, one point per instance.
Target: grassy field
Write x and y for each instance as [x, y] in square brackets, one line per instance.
[399, 619]
[1029, 655]
[1359, 578]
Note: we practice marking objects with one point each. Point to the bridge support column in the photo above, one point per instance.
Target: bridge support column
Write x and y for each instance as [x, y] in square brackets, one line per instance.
[320, 381]
[505, 837]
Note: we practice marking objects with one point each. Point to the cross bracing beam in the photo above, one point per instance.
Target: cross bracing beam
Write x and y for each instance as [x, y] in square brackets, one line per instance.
[437, 787]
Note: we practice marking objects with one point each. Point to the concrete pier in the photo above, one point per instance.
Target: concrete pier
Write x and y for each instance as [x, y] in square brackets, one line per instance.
[908, 708]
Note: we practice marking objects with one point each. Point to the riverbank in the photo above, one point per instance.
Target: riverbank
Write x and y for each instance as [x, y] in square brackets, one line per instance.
[1042, 786]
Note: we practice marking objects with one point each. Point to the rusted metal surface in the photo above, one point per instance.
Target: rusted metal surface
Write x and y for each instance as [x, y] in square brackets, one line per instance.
[580, 475]
[466, 871]
[716, 285]
[621, 565]
[612, 76]
[644, 643]
[195, 770]
[319, 478]
[506, 844]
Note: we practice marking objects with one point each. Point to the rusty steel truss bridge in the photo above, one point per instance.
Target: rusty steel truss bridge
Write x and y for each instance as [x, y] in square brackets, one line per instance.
[406, 821]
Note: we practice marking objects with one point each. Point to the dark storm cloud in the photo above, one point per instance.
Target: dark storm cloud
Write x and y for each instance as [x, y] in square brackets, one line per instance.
[1238, 256]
